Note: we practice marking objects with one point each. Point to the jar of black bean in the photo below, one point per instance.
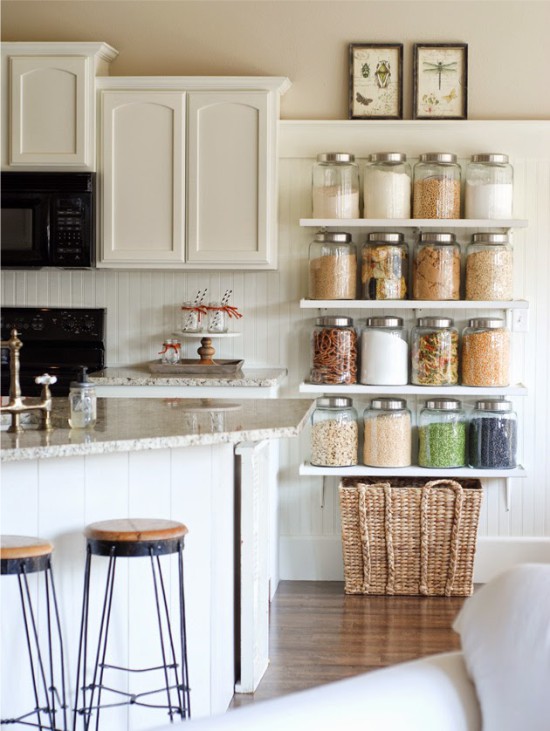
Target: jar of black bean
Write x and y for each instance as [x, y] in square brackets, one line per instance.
[493, 435]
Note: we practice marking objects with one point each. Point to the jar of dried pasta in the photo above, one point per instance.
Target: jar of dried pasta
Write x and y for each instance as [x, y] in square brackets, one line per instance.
[334, 433]
[434, 346]
[436, 189]
[489, 261]
[385, 267]
[334, 346]
[335, 190]
[387, 433]
[486, 353]
[436, 268]
[332, 266]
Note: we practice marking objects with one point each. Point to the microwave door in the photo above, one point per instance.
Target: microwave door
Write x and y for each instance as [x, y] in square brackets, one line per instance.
[25, 229]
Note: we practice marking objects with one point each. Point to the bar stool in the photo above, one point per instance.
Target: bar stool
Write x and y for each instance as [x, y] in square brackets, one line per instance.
[128, 539]
[21, 556]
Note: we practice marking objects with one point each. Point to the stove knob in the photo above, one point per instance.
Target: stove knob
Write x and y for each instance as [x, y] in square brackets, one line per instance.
[37, 323]
[69, 323]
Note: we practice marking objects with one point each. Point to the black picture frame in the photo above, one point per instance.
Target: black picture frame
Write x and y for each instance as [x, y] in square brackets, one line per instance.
[440, 84]
[375, 81]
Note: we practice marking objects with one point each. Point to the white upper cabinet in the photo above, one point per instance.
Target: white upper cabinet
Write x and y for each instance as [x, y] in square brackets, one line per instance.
[48, 102]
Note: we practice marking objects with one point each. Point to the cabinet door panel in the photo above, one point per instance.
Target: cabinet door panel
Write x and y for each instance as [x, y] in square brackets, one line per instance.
[230, 173]
[143, 177]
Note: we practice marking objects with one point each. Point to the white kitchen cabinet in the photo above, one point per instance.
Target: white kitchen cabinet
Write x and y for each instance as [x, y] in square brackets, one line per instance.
[49, 104]
[188, 172]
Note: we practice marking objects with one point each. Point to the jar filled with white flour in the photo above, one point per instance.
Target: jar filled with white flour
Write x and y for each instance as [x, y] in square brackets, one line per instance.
[335, 186]
[384, 352]
[387, 186]
[489, 186]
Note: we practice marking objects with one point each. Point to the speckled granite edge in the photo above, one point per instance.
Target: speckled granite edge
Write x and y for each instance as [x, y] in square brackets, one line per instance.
[140, 376]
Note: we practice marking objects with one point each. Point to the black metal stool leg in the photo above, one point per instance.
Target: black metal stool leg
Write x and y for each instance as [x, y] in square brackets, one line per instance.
[52, 603]
[83, 641]
[26, 609]
[183, 637]
[165, 667]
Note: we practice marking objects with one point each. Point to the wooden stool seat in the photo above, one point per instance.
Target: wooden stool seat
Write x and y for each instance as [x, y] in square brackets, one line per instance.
[135, 530]
[13, 547]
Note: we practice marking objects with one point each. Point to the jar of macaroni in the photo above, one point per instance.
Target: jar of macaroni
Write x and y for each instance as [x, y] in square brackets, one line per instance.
[387, 186]
[489, 189]
[385, 267]
[334, 433]
[434, 345]
[436, 192]
[387, 433]
[486, 353]
[489, 267]
[335, 189]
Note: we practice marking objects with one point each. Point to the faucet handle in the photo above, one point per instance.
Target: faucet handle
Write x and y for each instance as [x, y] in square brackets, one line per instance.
[45, 380]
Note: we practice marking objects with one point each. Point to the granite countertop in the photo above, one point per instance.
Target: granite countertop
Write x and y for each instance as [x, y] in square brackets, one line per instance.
[139, 375]
[138, 424]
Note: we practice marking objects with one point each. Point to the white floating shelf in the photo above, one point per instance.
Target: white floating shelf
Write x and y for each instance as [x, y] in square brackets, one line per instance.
[414, 222]
[362, 471]
[465, 391]
[309, 304]
[212, 336]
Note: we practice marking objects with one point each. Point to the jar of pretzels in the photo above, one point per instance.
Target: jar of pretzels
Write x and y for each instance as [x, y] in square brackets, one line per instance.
[334, 346]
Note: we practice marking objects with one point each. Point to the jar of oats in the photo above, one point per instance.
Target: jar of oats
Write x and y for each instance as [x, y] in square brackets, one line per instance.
[486, 353]
[489, 260]
[434, 348]
[334, 433]
[387, 434]
[436, 189]
[332, 267]
[385, 267]
[335, 189]
[334, 345]
[436, 268]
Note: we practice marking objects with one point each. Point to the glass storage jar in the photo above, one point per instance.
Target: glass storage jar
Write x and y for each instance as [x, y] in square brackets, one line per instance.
[384, 352]
[486, 353]
[492, 442]
[489, 189]
[385, 267]
[334, 345]
[387, 186]
[171, 351]
[434, 345]
[332, 266]
[387, 433]
[335, 190]
[217, 318]
[442, 429]
[436, 192]
[489, 273]
[436, 267]
[334, 433]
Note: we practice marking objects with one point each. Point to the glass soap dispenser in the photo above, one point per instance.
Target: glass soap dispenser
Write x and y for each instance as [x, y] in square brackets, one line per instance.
[82, 401]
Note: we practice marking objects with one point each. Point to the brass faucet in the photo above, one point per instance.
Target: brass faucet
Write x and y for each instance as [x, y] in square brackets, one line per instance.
[16, 405]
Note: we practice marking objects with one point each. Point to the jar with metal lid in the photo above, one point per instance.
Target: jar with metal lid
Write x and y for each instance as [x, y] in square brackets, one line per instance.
[436, 192]
[434, 345]
[334, 433]
[332, 266]
[387, 186]
[492, 442]
[486, 353]
[385, 267]
[489, 262]
[334, 345]
[335, 190]
[442, 429]
[387, 433]
[436, 267]
[489, 189]
[384, 352]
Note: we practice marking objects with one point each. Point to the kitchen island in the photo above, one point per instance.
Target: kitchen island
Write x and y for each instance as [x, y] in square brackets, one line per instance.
[198, 461]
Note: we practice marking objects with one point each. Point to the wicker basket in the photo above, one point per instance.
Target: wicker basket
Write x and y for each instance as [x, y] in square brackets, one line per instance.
[410, 536]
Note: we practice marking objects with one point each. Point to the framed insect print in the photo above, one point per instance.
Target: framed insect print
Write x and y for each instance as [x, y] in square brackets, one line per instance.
[440, 81]
[376, 81]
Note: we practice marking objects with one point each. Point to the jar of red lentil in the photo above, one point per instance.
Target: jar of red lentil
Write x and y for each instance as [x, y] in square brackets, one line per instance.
[486, 353]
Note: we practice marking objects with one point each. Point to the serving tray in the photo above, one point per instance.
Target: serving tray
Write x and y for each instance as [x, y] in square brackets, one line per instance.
[196, 368]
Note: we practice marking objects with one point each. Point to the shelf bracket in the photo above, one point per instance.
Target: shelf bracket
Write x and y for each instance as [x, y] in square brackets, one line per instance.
[507, 494]
[323, 488]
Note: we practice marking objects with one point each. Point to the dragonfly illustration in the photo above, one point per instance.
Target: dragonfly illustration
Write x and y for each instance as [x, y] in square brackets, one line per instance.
[440, 68]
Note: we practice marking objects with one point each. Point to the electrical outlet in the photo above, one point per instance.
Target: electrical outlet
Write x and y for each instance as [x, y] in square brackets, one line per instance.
[520, 321]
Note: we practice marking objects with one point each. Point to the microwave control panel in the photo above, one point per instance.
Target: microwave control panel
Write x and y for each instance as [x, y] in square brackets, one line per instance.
[71, 231]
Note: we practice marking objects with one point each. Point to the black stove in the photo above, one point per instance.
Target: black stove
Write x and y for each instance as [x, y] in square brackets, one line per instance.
[56, 340]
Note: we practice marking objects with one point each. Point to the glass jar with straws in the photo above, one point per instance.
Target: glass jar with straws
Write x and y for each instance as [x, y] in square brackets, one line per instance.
[219, 314]
[193, 313]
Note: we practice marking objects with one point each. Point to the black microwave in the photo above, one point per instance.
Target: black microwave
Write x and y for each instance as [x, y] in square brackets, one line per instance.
[48, 220]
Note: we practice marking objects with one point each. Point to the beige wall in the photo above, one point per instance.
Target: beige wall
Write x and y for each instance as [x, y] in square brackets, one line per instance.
[307, 40]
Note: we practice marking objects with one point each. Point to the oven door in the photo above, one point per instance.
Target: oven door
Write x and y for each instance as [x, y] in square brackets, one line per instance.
[25, 229]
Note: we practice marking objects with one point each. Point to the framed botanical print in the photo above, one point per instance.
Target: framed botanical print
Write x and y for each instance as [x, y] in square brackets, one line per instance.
[440, 81]
[376, 81]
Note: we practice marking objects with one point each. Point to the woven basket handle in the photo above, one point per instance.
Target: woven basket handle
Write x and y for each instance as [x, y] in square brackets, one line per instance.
[455, 532]
[388, 523]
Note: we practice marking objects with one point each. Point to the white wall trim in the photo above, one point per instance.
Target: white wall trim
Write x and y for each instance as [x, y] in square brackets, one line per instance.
[319, 558]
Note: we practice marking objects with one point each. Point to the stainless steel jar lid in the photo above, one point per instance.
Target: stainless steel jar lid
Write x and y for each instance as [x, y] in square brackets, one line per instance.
[334, 402]
[388, 403]
[335, 157]
[496, 158]
[388, 157]
[386, 238]
[334, 321]
[494, 404]
[443, 157]
[332, 237]
[435, 322]
[487, 322]
[488, 238]
[431, 237]
[384, 321]
[444, 404]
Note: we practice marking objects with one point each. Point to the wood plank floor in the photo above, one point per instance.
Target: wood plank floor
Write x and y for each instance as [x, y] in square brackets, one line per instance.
[318, 634]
